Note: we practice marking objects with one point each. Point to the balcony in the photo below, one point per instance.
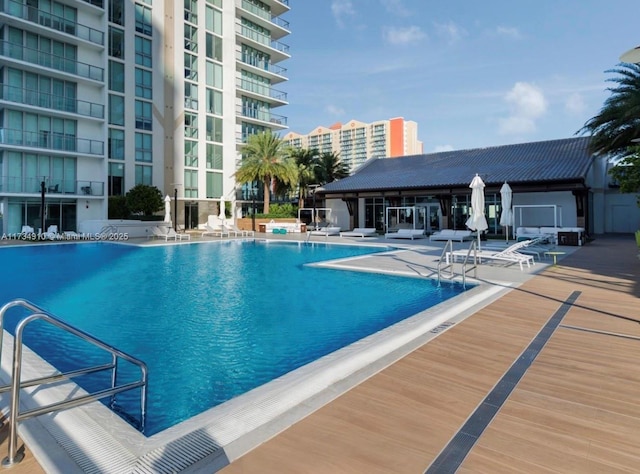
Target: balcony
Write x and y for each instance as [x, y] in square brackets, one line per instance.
[58, 23]
[277, 50]
[262, 115]
[51, 141]
[261, 90]
[275, 72]
[34, 98]
[276, 25]
[48, 60]
[60, 187]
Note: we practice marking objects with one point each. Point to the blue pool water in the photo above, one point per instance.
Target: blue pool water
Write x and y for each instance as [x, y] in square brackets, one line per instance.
[211, 321]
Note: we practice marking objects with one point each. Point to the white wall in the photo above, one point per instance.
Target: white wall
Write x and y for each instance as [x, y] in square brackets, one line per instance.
[543, 217]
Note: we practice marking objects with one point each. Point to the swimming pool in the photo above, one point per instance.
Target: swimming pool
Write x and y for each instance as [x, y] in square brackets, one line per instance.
[211, 321]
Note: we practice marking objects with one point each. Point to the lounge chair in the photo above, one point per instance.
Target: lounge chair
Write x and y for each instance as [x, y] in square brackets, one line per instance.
[243, 233]
[406, 234]
[215, 232]
[51, 233]
[178, 236]
[27, 229]
[231, 231]
[360, 232]
[450, 234]
[166, 235]
[326, 231]
[510, 255]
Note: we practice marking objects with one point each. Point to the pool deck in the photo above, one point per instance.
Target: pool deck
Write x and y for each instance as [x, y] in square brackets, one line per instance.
[543, 379]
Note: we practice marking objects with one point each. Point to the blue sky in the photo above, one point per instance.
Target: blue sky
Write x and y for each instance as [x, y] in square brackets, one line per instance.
[471, 73]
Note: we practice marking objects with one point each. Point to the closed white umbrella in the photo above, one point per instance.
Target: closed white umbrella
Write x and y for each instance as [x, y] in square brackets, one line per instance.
[506, 218]
[221, 214]
[167, 208]
[477, 221]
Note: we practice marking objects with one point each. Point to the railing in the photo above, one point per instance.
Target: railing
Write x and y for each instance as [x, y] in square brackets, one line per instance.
[48, 60]
[51, 141]
[55, 22]
[262, 39]
[264, 14]
[260, 88]
[448, 262]
[45, 100]
[13, 184]
[15, 416]
[262, 64]
[263, 115]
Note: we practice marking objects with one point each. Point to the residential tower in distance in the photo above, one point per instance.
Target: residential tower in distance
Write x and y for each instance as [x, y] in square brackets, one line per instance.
[356, 142]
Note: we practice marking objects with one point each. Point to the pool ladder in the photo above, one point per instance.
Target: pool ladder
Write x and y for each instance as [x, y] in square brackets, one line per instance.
[15, 416]
[448, 247]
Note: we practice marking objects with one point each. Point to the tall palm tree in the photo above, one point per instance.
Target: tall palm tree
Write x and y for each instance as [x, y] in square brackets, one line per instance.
[307, 163]
[619, 119]
[266, 159]
[330, 167]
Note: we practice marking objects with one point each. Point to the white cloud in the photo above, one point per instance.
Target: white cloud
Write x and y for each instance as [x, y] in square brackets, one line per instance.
[508, 31]
[334, 110]
[528, 104]
[575, 104]
[441, 148]
[396, 7]
[450, 31]
[402, 36]
[342, 9]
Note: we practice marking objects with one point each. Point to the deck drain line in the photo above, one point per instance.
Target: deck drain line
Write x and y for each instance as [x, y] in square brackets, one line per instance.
[451, 457]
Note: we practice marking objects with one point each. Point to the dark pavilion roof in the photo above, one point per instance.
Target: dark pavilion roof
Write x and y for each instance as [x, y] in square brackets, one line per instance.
[565, 160]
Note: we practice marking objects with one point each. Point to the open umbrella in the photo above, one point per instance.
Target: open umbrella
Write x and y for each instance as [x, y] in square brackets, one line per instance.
[506, 218]
[477, 221]
[167, 208]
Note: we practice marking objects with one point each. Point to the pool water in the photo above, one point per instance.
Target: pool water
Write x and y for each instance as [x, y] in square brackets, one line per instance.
[211, 321]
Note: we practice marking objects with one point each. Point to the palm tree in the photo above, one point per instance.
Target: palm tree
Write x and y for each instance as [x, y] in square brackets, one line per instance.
[307, 163]
[619, 119]
[330, 167]
[266, 159]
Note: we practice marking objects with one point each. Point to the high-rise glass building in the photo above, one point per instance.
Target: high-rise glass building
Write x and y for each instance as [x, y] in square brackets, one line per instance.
[98, 96]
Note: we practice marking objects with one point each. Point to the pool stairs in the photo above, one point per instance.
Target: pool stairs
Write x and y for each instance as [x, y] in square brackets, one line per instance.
[14, 456]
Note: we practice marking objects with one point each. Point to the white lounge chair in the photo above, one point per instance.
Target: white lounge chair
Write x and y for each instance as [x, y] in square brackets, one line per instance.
[27, 229]
[177, 235]
[230, 230]
[360, 232]
[326, 231]
[215, 232]
[450, 234]
[166, 235]
[510, 255]
[51, 233]
[406, 234]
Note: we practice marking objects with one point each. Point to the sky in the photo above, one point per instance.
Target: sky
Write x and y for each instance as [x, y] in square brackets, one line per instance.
[470, 73]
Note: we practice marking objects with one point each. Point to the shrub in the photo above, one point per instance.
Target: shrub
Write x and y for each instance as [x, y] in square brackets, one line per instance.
[281, 211]
[144, 199]
[118, 208]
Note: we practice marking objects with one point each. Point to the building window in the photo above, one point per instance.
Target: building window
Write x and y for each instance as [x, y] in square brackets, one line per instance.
[191, 153]
[214, 75]
[116, 109]
[191, 11]
[214, 185]
[116, 76]
[214, 129]
[214, 47]
[213, 20]
[115, 185]
[214, 102]
[214, 157]
[143, 52]
[116, 43]
[191, 38]
[190, 96]
[116, 144]
[143, 19]
[190, 184]
[116, 12]
[144, 84]
[190, 125]
[144, 118]
[190, 67]
[144, 147]
[143, 174]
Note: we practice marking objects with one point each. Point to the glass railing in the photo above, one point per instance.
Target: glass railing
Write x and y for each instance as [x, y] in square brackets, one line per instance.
[11, 184]
[265, 14]
[51, 141]
[262, 64]
[260, 88]
[58, 23]
[51, 101]
[263, 39]
[264, 115]
[44, 59]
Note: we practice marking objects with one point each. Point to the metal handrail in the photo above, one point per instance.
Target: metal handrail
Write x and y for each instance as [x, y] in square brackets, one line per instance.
[448, 245]
[13, 457]
[443, 257]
